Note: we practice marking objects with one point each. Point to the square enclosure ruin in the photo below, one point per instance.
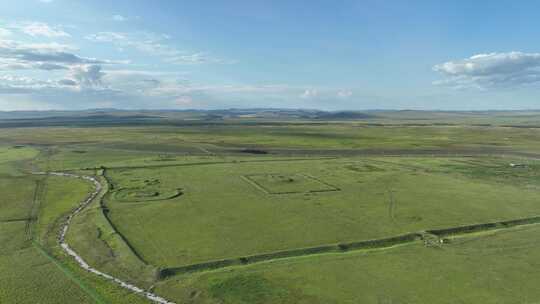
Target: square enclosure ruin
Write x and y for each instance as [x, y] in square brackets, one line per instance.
[277, 183]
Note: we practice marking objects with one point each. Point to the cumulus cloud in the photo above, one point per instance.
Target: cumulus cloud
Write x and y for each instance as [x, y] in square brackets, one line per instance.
[39, 29]
[87, 75]
[493, 70]
[83, 75]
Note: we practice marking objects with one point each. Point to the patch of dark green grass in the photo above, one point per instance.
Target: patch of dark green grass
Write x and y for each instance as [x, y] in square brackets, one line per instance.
[248, 289]
[516, 173]
[364, 168]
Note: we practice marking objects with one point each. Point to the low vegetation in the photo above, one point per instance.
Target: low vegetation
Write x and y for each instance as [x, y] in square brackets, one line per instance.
[361, 210]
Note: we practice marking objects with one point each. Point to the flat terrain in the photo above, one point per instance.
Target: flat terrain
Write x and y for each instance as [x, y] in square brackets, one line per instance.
[390, 208]
[485, 268]
[223, 214]
[24, 268]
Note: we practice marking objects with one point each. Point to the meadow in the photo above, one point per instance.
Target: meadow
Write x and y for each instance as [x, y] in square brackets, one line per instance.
[23, 268]
[397, 209]
[237, 211]
[484, 268]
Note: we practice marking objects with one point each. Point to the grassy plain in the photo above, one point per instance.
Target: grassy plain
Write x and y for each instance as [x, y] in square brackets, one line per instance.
[490, 268]
[222, 138]
[27, 275]
[202, 191]
[224, 214]
[33, 269]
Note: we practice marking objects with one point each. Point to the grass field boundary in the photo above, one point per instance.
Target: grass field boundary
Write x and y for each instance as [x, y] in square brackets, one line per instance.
[250, 180]
[34, 208]
[346, 247]
[360, 153]
[70, 275]
[22, 219]
[98, 190]
[254, 184]
[204, 163]
[334, 188]
[105, 210]
[333, 248]
[177, 193]
[484, 227]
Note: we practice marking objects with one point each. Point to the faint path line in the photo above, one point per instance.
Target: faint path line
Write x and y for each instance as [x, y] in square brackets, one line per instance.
[392, 205]
[34, 209]
[204, 150]
[25, 219]
[82, 263]
[207, 163]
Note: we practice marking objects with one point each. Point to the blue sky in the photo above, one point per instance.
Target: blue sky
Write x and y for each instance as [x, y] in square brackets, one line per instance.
[332, 55]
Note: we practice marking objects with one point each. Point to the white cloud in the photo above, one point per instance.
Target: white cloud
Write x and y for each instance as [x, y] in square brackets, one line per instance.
[39, 29]
[10, 84]
[87, 75]
[108, 37]
[309, 93]
[177, 87]
[44, 47]
[147, 42]
[183, 100]
[155, 45]
[91, 86]
[119, 18]
[493, 70]
[42, 56]
[344, 93]
[4, 32]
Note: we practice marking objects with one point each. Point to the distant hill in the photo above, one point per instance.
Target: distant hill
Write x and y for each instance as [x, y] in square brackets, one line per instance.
[344, 115]
[114, 117]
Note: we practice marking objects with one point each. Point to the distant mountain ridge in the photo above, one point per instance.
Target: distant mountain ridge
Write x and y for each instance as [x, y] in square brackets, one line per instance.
[116, 117]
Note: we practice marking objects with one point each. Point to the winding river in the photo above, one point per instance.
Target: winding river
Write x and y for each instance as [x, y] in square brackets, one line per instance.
[82, 263]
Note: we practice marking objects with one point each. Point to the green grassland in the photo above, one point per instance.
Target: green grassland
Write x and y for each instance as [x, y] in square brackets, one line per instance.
[223, 214]
[15, 153]
[94, 236]
[311, 136]
[16, 205]
[486, 268]
[289, 198]
[33, 269]
[57, 199]
[276, 183]
[27, 275]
